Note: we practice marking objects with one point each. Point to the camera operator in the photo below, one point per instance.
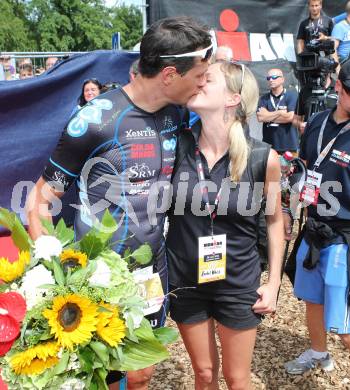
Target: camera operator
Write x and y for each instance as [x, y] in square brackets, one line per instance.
[316, 26]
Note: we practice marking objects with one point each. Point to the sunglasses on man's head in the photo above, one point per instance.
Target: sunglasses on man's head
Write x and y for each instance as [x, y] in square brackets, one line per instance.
[273, 77]
[204, 54]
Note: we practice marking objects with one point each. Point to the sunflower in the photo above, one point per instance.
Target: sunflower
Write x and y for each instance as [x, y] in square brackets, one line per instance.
[71, 258]
[35, 360]
[11, 271]
[72, 319]
[110, 327]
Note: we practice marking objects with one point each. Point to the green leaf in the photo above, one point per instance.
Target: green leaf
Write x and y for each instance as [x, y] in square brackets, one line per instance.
[100, 375]
[91, 245]
[101, 351]
[166, 335]
[61, 366]
[58, 273]
[143, 254]
[19, 235]
[143, 354]
[63, 233]
[108, 227]
[86, 359]
[48, 225]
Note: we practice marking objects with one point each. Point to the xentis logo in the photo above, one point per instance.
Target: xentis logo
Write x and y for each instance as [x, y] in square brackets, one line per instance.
[146, 133]
[253, 46]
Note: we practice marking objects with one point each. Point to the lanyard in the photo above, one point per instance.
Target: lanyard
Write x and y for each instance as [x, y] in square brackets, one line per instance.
[276, 107]
[322, 154]
[204, 190]
[318, 25]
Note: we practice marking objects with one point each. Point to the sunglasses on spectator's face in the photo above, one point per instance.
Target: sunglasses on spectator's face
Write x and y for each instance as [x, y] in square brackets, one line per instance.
[204, 54]
[273, 77]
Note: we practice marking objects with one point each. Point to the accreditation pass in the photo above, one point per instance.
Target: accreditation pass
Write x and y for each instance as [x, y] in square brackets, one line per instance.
[211, 258]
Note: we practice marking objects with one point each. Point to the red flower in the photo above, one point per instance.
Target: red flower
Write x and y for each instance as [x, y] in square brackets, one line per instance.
[12, 311]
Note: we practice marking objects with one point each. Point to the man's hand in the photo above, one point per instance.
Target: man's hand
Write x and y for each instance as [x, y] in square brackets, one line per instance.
[267, 301]
[302, 126]
[322, 37]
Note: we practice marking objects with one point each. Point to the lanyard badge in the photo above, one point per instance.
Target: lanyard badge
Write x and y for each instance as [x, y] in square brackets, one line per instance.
[211, 249]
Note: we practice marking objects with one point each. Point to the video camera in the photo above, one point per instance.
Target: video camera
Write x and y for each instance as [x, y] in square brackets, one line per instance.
[315, 59]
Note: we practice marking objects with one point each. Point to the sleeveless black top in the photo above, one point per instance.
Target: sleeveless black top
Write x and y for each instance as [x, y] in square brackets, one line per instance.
[237, 217]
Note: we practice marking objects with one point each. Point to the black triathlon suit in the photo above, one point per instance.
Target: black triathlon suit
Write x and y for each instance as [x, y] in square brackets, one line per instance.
[117, 153]
[228, 301]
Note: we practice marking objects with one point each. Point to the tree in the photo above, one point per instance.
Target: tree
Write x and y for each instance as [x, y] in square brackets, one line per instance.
[128, 21]
[14, 31]
[70, 25]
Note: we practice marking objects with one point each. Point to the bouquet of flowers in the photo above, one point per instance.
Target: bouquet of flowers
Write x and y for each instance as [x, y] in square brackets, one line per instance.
[72, 311]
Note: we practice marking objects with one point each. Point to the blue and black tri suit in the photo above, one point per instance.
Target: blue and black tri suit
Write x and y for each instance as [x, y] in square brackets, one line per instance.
[118, 154]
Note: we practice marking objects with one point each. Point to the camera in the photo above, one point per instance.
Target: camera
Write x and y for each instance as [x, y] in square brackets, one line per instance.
[315, 58]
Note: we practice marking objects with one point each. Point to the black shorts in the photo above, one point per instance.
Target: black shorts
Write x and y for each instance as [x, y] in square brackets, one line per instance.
[233, 311]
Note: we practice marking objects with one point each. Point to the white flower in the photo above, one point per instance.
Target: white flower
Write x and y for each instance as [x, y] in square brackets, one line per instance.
[73, 384]
[34, 278]
[102, 275]
[74, 363]
[47, 246]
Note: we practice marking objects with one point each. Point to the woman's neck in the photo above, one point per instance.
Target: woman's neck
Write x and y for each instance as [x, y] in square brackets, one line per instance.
[214, 139]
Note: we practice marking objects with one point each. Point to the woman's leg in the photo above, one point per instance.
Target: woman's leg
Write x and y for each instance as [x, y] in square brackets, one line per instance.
[199, 340]
[237, 352]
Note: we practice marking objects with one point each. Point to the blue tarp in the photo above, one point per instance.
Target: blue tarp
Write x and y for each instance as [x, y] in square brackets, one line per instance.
[33, 113]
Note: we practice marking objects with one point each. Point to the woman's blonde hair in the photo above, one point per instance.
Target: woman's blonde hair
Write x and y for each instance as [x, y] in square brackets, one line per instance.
[239, 79]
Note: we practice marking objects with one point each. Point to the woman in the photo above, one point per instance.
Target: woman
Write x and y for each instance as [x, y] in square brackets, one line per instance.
[213, 248]
[91, 88]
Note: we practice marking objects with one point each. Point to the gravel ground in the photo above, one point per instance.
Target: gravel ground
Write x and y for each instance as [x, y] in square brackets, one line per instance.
[279, 339]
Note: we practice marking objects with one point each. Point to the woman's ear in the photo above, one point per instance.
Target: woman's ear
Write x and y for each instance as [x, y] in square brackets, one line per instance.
[233, 100]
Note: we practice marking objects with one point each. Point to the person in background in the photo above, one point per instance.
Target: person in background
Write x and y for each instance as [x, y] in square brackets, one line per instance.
[322, 278]
[134, 70]
[276, 111]
[214, 264]
[341, 35]
[90, 89]
[316, 26]
[223, 53]
[50, 62]
[26, 71]
[9, 69]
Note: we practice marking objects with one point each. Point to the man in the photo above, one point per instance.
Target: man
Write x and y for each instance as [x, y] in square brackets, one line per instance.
[276, 111]
[316, 26]
[341, 35]
[223, 53]
[50, 62]
[127, 137]
[322, 275]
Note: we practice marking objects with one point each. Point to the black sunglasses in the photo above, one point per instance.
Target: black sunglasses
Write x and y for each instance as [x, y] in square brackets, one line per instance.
[273, 77]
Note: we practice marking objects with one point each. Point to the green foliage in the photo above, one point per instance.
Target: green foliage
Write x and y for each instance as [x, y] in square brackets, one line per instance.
[128, 21]
[19, 235]
[66, 25]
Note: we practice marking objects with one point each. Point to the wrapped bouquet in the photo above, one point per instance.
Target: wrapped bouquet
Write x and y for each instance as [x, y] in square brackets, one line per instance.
[72, 311]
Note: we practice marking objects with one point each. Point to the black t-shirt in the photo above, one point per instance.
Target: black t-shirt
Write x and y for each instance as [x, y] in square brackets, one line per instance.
[284, 136]
[309, 28]
[236, 217]
[117, 152]
[334, 199]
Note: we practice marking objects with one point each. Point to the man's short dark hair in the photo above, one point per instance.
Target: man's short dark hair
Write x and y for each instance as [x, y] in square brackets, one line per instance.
[171, 36]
